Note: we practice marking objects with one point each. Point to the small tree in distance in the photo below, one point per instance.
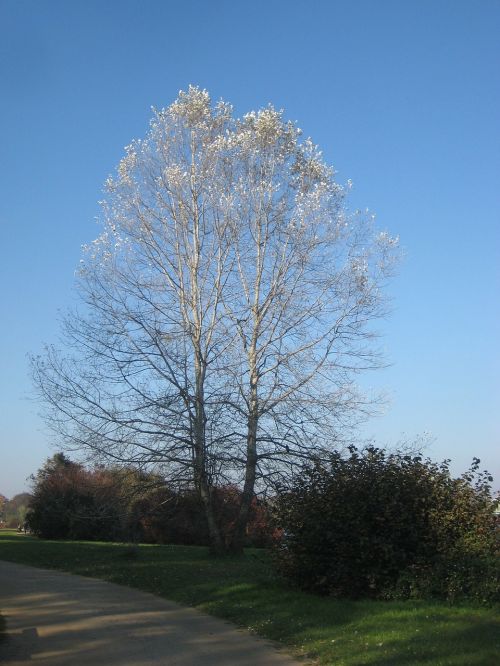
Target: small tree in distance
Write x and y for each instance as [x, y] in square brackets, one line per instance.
[228, 303]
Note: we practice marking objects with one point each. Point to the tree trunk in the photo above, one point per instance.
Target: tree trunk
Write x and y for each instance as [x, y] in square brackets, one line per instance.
[205, 495]
[217, 546]
[238, 536]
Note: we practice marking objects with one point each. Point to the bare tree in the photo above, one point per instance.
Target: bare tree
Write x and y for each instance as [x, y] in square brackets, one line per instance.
[227, 305]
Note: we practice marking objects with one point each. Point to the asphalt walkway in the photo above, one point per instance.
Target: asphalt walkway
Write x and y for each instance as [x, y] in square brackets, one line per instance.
[58, 619]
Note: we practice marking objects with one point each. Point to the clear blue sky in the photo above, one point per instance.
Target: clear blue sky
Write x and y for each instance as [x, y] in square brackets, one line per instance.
[403, 98]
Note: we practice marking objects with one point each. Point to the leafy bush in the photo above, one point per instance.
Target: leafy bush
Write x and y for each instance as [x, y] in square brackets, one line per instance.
[107, 504]
[69, 502]
[177, 517]
[389, 526]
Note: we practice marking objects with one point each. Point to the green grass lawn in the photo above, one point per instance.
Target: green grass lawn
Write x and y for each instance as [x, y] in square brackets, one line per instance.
[246, 592]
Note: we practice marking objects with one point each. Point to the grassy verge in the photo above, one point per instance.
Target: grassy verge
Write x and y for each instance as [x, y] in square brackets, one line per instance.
[245, 592]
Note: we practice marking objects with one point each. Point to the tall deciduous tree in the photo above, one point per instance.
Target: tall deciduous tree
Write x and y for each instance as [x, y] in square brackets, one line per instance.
[227, 306]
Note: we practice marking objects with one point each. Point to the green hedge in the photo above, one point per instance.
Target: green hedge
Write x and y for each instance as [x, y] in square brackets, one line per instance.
[383, 525]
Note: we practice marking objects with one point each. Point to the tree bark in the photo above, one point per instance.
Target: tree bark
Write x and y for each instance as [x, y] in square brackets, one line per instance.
[217, 546]
[204, 487]
[238, 536]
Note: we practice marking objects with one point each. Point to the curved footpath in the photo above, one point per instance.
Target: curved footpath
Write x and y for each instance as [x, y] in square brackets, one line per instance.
[58, 619]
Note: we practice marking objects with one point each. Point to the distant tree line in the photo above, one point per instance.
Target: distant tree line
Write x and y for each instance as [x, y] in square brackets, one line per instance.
[13, 511]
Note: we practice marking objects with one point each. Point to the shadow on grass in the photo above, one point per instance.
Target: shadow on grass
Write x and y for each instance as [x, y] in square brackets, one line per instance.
[3, 632]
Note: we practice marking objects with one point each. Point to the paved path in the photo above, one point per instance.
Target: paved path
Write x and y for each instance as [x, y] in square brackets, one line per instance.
[57, 619]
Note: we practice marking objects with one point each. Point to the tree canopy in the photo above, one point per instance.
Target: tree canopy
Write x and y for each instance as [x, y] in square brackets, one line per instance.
[227, 306]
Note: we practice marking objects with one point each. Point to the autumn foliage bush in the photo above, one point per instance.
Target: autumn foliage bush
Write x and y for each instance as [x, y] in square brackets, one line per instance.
[70, 502]
[110, 504]
[383, 525]
[177, 517]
